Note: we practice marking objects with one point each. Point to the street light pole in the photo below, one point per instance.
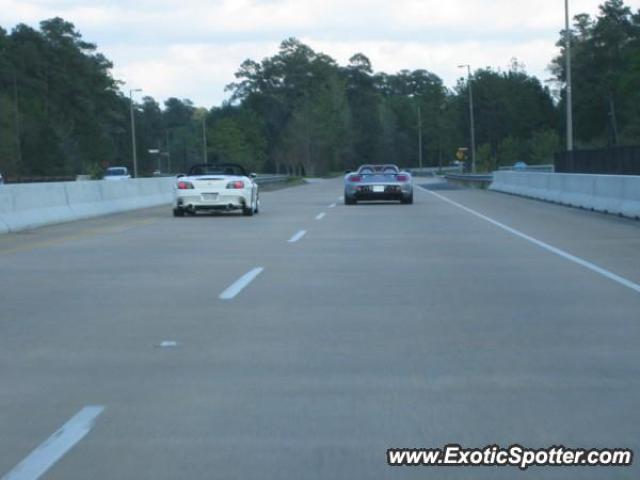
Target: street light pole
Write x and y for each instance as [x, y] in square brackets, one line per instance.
[419, 136]
[471, 119]
[567, 47]
[204, 138]
[168, 151]
[133, 132]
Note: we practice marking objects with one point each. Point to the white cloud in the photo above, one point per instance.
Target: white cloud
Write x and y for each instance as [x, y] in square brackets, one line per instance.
[191, 48]
[196, 71]
[444, 57]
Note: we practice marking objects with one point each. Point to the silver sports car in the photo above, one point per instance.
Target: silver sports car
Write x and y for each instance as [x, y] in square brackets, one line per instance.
[378, 182]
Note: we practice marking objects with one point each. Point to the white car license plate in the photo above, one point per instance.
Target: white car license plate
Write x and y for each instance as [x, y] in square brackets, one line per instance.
[210, 196]
[378, 188]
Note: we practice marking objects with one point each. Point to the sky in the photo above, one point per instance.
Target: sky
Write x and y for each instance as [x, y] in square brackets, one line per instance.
[192, 48]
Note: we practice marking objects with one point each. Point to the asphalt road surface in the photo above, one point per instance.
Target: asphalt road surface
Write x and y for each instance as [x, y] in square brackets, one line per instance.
[469, 317]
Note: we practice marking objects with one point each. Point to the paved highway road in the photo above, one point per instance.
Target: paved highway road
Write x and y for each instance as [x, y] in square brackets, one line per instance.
[469, 317]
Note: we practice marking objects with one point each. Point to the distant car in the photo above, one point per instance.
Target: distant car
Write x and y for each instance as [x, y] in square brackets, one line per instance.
[1, 179]
[519, 166]
[116, 173]
[378, 182]
[223, 187]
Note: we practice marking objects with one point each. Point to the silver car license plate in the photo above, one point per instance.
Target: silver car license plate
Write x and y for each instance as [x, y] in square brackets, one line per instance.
[378, 188]
[210, 196]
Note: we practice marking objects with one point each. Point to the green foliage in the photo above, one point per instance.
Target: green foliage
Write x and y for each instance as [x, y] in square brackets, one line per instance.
[94, 170]
[60, 98]
[606, 73]
[508, 104]
[542, 146]
[510, 151]
[300, 97]
[238, 139]
[485, 160]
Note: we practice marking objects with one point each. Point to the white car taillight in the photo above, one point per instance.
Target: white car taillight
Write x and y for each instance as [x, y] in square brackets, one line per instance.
[236, 184]
[185, 185]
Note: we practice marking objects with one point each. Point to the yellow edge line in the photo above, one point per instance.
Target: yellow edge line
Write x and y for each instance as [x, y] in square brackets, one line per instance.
[92, 232]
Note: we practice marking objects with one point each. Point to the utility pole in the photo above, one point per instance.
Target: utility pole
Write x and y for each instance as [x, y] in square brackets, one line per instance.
[419, 136]
[16, 120]
[614, 120]
[133, 132]
[439, 130]
[471, 119]
[204, 138]
[168, 152]
[567, 49]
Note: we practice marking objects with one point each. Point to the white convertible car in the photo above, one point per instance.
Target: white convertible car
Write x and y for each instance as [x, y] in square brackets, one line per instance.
[225, 187]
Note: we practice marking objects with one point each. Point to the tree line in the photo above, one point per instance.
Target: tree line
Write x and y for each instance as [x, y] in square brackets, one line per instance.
[300, 112]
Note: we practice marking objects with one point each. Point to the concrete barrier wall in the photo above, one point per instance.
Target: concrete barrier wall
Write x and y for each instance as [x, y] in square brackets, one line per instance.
[33, 205]
[6, 204]
[631, 205]
[27, 206]
[617, 194]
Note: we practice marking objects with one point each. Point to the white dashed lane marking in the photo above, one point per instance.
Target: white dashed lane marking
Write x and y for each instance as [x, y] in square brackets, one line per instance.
[56, 446]
[297, 236]
[236, 287]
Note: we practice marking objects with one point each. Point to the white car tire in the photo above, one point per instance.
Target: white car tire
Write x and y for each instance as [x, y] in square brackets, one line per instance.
[249, 211]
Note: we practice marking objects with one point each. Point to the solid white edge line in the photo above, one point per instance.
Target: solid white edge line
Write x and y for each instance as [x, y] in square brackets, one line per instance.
[236, 287]
[56, 446]
[320, 216]
[580, 261]
[297, 236]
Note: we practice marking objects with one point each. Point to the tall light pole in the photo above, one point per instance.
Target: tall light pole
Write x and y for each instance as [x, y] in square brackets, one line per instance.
[204, 138]
[133, 132]
[168, 151]
[567, 48]
[471, 120]
[419, 136]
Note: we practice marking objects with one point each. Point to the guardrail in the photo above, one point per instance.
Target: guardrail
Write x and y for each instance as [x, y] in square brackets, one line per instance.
[617, 194]
[548, 168]
[271, 182]
[430, 171]
[271, 179]
[470, 179]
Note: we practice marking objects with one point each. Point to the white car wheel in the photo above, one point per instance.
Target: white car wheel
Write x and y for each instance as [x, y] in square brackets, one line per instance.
[248, 211]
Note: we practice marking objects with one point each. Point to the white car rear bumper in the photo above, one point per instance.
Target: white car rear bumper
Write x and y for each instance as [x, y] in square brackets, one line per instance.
[212, 201]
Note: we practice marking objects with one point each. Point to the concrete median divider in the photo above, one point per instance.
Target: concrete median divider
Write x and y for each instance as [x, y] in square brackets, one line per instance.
[36, 204]
[5, 207]
[608, 193]
[85, 200]
[631, 203]
[556, 187]
[616, 194]
[28, 206]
